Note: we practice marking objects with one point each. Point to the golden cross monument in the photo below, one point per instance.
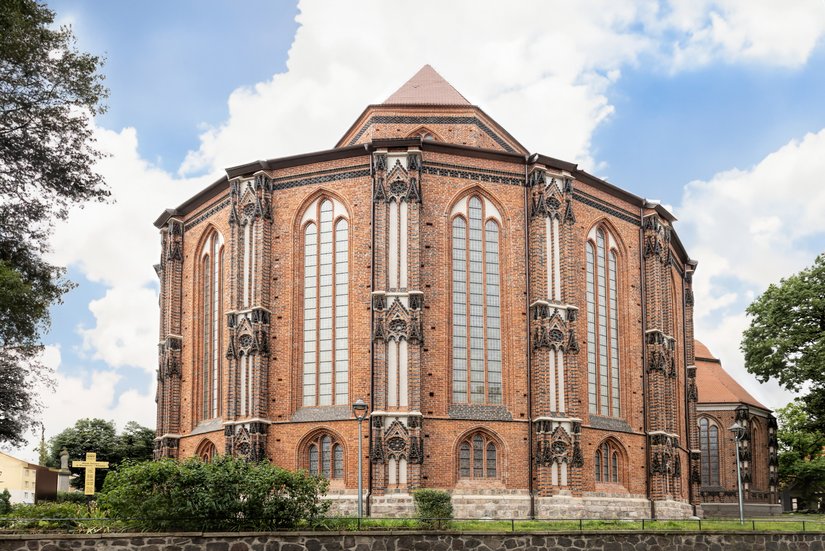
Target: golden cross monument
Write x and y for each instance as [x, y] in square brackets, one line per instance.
[90, 464]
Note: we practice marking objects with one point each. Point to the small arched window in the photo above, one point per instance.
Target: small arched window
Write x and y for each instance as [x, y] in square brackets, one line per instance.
[206, 451]
[608, 464]
[478, 457]
[602, 324]
[709, 445]
[211, 309]
[325, 457]
[326, 304]
[476, 302]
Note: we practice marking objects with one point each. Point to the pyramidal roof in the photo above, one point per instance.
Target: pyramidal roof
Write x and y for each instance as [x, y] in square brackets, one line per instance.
[427, 87]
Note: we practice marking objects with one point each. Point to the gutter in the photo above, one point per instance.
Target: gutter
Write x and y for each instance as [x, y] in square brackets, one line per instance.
[643, 291]
[531, 489]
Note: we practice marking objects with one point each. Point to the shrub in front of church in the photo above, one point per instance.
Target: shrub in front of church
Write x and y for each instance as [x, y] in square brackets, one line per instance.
[433, 507]
[49, 515]
[224, 495]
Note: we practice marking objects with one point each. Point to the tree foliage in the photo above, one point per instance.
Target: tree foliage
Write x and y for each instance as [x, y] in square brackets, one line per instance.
[801, 459]
[49, 92]
[98, 435]
[227, 494]
[786, 337]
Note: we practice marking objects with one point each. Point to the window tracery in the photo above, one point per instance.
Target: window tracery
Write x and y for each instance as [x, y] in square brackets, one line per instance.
[325, 304]
[709, 444]
[602, 324]
[325, 457]
[211, 293]
[607, 463]
[476, 302]
[478, 457]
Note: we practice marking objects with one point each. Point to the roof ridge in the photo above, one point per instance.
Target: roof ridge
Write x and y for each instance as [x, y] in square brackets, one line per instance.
[427, 87]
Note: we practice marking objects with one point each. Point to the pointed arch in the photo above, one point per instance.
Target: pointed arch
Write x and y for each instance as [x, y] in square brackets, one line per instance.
[479, 455]
[603, 284]
[426, 134]
[709, 446]
[210, 268]
[610, 462]
[322, 248]
[476, 234]
[476, 189]
[323, 452]
[206, 450]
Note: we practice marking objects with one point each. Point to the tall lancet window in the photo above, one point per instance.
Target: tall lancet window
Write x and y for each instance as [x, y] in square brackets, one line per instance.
[602, 324]
[709, 444]
[476, 302]
[326, 304]
[211, 291]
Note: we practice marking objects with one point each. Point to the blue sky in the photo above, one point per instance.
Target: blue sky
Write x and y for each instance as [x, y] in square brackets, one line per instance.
[713, 107]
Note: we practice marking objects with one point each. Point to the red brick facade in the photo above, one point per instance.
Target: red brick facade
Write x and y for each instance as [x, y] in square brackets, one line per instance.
[567, 299]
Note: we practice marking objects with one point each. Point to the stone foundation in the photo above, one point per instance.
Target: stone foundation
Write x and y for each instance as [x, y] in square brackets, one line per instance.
[731, 510]
[672, 509]
[593, 506]
[495, 504]
[392, 505]
[402, 541]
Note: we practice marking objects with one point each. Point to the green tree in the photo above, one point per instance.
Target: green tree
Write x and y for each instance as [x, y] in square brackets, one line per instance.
[99, 435]
[49, 92]
[786, 337]
[801, 460]
[5, 501]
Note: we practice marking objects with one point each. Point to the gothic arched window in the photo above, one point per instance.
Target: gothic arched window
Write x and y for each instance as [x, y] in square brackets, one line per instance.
[709, 444]
[326, 304]
[602, 324]
[608, 463]
[476, 302]
[206, 451]
[210, 296]
[325, 457]
[478, 457]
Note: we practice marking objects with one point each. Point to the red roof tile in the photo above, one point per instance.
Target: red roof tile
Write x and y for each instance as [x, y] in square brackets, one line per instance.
[715, 385]
[427, 87]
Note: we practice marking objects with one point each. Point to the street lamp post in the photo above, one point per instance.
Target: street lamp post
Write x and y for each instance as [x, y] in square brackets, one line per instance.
[738, 433]
[359, 408]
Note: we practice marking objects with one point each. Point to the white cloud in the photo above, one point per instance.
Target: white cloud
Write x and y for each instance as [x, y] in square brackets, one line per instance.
[91, 394]
[757, 31]
[542, 70]
[126, 328]
[750, 228]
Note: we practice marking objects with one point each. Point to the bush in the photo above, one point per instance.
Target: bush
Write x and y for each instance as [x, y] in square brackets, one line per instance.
[48, 515]
[431, 505]
[70, 497]
[5, 502]
[227, 494]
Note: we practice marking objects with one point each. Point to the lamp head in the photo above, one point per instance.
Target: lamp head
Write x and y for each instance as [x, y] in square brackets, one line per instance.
[359, 408]
[737, 430]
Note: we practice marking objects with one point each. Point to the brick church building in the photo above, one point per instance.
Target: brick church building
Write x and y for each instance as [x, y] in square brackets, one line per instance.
[521, 330]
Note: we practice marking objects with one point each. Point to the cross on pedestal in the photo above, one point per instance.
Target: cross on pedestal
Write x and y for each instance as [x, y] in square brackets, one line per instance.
[90, 464]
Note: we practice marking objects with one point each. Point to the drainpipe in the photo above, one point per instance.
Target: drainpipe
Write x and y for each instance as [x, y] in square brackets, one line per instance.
[368, 148]
[687, 401]
[532, 512]
[642, 290]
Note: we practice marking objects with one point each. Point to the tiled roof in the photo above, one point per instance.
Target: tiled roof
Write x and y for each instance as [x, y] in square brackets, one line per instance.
[427, 87]
[715, 385]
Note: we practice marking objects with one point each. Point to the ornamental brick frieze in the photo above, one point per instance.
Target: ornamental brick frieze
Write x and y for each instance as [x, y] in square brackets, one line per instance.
[551, 196]
[250, 199]
[396, 437]
[397, 323]
[247, 440]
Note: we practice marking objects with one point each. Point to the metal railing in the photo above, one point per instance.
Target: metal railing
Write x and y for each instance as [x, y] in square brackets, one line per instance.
[346, 524]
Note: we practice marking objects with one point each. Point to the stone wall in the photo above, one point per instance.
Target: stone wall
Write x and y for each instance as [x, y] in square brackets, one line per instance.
[400, 541]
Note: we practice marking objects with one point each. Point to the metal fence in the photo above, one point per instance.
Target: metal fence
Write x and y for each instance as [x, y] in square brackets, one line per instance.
[346, 524]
